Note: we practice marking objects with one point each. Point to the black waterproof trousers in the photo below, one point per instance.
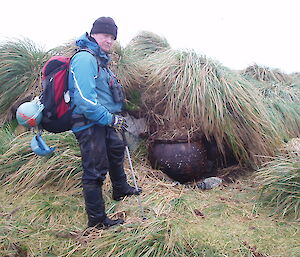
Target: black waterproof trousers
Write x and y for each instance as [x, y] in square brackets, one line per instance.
[102, 151]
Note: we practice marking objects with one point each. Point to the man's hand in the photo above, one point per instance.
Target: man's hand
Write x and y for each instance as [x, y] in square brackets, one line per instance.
[119, 123]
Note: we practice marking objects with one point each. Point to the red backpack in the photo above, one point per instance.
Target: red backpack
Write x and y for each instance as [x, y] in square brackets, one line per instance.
[55, 97]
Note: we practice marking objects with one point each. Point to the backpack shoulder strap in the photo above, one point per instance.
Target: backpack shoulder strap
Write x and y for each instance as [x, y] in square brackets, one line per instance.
[92, 53]
[85, 50]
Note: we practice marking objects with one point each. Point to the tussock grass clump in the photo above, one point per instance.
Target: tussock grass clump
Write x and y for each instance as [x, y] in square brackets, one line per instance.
[146, 43]
[67, 49]
[20, 65]
[283, 104]
[296, 79]
[261, 73]
[128, 64]
[25, 170]
[280, 181]
[197, 93]
[281, 96]
[129, 67]
[6, 137]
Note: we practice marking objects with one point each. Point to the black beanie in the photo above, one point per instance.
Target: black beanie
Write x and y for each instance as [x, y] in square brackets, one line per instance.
[105, 25]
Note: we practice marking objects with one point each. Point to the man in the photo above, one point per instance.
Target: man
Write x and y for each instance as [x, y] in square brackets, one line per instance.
[97, 99]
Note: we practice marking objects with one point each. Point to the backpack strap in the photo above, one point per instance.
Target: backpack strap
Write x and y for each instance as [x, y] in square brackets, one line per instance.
[114, 83]
[99, 64]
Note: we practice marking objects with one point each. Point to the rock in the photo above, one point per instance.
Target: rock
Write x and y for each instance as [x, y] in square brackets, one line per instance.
[209, 183]
[136, 128]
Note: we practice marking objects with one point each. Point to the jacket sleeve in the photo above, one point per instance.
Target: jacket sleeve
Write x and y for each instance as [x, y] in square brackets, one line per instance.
[84, 71]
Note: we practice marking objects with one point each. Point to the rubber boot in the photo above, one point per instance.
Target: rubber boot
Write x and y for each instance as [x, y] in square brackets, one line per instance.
[121, 189]
[95, 208]
[116, 168]
[118, 195]
[107, 223]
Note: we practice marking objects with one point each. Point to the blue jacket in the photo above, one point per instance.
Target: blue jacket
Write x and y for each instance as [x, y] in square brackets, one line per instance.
[89, 87]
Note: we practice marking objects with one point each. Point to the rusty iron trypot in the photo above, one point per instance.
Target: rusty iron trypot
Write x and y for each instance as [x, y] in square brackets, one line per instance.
[181, 160]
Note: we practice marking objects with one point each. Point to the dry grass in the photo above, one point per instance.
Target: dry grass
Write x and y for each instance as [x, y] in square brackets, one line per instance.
[181, 221]
[67, 49]
[196, 93]
[128, 65]
[20, 65]
[146, 43]
[292, 147]
[281, 96]
[42, 212]
[279, 180]
[128, 61]
[179, 91]
[25, 170]
[261, 73]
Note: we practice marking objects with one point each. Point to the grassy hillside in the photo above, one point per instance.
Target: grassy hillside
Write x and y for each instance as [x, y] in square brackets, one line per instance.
[253, 213]
[181, 221]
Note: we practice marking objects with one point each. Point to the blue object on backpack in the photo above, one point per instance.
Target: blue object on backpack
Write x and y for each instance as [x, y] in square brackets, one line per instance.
[39, 146]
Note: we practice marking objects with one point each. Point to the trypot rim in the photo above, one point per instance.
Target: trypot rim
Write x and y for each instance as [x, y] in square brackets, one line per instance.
[173, 141]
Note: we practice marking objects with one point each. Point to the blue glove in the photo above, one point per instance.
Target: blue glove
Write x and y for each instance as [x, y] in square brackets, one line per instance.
[119, 123]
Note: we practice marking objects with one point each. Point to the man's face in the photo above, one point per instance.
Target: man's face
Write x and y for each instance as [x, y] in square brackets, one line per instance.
[105, 41]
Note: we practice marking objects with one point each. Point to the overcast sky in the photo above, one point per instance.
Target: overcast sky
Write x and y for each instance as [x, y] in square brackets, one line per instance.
[237, 33]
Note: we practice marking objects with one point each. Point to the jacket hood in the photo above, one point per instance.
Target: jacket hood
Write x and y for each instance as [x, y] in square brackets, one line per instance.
[85, 41]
